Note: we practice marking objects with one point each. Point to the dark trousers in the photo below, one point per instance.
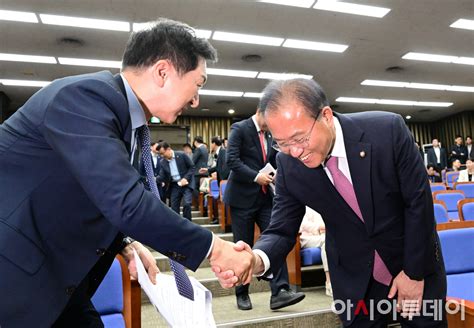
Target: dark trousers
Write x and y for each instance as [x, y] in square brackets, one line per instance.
[243, 228]
[181, 193]
[434, 291]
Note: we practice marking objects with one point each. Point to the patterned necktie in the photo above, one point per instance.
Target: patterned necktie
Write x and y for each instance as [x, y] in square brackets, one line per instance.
[185, 288]
[261, 136]
[346, 190]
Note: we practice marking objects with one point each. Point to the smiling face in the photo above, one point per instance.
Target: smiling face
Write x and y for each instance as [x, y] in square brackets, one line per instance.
[290, 123]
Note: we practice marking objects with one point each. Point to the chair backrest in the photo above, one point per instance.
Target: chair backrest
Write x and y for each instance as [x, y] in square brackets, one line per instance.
[466, 187]
[450, 197]
[222, 187]
[458, 249]
[451, 177]
[214, 188]
[437, 186]
[112, 297]
[466, 210]
[441, 214]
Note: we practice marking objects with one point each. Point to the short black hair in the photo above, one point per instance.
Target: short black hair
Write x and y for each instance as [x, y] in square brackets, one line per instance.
[457, 136]
[216, 140]
[162, 144]
[307, 92]
[199, 139]
[167, 39]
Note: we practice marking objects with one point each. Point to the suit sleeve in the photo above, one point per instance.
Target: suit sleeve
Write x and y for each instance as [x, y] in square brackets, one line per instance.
[240, 171]
[82, 126]
[190, 166]
[280, 236]
[416, 193]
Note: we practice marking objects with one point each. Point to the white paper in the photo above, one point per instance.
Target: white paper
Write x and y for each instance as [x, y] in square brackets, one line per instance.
[269, 169]
[178, 311]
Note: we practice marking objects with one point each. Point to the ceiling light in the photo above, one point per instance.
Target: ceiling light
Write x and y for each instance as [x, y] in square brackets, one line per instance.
[231, 72]
[394, 102]
[282, 76]
[415, 85]
[467, 24]
[28, 58]
[205, 34]
[90, 62]
[439, 58]
[311, 45]
[408, 117]
[18, 16]
[231, 111]
[205, 92]
[253, 94]
[205, 109]
[247, 38]
[101, 24]
[351, 8]
[293, 3]
[25, 83]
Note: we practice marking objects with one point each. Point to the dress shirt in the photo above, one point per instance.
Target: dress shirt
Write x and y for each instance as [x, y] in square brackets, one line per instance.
[155, 158]
[438, 154]
[175, 176]
[254, 119]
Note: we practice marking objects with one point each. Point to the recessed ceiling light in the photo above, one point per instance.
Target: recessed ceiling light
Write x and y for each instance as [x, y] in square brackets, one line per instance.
[247, 38]
[467, 24]
[282, 76]
[206, 92]
[408, 117]
[415, 85]
[25, 83]
[394, 102]
[253, 94]
[293, 3]
[205, 109]
[231, 111]
[90, 62]
[18, 16]
[351, 8]
[439, 58]
[311, 45]
[101, 24]
[28, 58]
[231, 72]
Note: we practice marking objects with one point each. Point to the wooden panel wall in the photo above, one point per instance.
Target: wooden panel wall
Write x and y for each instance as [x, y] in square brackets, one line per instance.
[207, 127]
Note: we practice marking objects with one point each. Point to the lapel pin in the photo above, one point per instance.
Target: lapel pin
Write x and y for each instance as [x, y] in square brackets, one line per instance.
[362, 154]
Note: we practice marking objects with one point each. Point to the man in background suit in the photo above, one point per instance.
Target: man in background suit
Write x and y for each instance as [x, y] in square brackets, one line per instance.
[177, 175]
[200, 158]
[250, 199]
[373, 195]
[221, 168]
[437, 156]
[469, 148]
[458, 151]
[67, 203]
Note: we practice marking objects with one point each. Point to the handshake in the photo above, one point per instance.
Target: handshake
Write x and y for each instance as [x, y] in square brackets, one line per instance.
[234, 264]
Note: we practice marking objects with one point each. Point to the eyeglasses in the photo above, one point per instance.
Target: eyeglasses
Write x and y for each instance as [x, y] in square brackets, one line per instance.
[300, 143]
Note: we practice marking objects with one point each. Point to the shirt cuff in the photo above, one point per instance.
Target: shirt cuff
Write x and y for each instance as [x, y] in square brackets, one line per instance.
[266, 263]
[210, 248]
[255, 180]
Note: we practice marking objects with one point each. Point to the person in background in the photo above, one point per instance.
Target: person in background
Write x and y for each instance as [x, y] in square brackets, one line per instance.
[469, 148]
[220, 165]
[455, 166]
[200, 158]
[437, 156]
[313, 234]
[225, 143]
[433, 174]
[467, 175]
[458, 150]
[188, 150]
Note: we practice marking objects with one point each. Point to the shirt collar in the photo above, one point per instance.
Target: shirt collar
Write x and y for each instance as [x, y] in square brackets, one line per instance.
[137, 114]
[254, 119]
[339, 149]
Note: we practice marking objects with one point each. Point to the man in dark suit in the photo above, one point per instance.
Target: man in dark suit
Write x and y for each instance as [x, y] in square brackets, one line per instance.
[458, 151]
[437, 156]
[200, 158]
[250, 198]
[177, 175]
[68, 201]
[469, 148]
[375, 199]
[221, 168]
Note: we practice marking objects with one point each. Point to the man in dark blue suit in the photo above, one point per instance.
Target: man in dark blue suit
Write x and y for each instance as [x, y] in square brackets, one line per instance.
[381, 240]
[176, 174]
[68, 191]
[221, 168]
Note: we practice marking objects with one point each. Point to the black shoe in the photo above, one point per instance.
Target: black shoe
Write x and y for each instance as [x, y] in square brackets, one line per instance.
[285, 298]
[215, 221]
[243, 302]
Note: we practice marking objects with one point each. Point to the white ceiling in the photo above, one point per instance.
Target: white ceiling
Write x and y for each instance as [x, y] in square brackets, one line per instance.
[374, 45]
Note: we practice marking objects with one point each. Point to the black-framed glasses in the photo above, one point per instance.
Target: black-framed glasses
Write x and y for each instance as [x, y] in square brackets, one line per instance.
[300, 143]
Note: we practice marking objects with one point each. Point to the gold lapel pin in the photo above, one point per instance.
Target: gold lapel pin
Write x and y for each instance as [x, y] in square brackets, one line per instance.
[362, 154]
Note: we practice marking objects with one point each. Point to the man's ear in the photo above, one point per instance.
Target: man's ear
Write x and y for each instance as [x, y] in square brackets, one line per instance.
[160, 71]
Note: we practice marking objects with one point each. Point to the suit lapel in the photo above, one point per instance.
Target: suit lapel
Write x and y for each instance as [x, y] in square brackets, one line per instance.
[256, 140]
[359, 156]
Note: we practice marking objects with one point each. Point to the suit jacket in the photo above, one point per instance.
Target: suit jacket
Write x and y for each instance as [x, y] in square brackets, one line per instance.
[221, 167]
[200, 157]
[185, 169]
[394, 197]
[66, 191]
[458, 152]
[245, 159]
[434, 161]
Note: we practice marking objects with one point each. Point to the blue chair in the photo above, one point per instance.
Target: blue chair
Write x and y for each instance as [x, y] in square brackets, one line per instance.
[437, 186]
[450, 198]
[466, 187]
[212, 197]
[458, 249]
[440, 213]
[451, 178]
[466, 210]
[112, 298]
[310, 256]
